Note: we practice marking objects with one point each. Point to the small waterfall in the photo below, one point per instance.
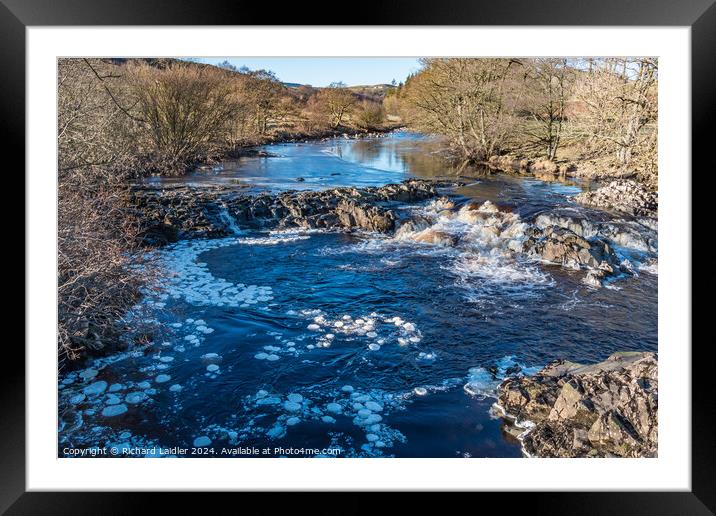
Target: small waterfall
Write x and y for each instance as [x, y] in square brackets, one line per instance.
[227, 219]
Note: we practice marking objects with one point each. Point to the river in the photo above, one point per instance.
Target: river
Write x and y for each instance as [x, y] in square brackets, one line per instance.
[369, 344]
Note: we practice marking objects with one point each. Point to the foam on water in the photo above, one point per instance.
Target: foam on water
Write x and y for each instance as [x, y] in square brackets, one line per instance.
[374, 329]
[365, 410]
[490, 241]
[229, 221]
[478, 244]
[190, 280]
[483, 383]
[650, 267]
[272, 416]
[480, 272]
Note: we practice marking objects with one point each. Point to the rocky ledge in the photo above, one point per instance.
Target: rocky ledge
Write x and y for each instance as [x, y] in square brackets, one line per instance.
[184, 212]
[511, 163]
[622, 195]
[577, 242]
[562, 246]
[560, 236]
[563, 237]
[608, 409]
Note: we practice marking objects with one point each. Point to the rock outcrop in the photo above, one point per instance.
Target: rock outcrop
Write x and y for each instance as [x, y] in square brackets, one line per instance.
[608, 409]
[622, 195]
[571, 239]
[564, 247]
[564, 237]
[510, 163]
[641, 234]
[184, 212]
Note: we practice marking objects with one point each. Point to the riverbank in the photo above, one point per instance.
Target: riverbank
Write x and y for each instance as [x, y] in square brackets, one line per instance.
[607, 409]
[324, 134]
[590, 169]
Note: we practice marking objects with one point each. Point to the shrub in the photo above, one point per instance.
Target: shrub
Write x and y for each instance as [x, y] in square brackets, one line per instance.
[185, 110]
[371, 115]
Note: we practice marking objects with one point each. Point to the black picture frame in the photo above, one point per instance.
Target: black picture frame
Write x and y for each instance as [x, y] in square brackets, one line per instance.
[700, 15]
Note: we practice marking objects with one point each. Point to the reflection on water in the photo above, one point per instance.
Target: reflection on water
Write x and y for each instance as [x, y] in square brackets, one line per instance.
[406, 153]
[335, 162]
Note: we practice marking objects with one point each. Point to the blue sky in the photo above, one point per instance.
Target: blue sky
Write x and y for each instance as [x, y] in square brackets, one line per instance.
[321, 71]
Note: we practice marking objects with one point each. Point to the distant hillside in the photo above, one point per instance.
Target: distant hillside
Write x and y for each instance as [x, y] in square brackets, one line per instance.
[364, 90]
[372, 87]
[372, 90]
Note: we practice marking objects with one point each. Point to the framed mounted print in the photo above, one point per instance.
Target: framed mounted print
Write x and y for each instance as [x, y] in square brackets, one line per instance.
[445, 249]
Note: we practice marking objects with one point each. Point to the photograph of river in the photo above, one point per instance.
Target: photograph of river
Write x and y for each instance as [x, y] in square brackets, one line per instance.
[450, 258]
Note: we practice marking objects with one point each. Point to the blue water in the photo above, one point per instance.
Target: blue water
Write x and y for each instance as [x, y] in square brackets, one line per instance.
[295, 338]
[331, 163]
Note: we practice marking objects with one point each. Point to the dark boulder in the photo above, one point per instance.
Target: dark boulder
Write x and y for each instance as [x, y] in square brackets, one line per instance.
[170, 213]
[562, 246]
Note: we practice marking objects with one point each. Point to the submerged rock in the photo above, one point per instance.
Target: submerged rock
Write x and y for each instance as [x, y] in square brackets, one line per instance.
[432, 236]
[608, 409]
[623, 195]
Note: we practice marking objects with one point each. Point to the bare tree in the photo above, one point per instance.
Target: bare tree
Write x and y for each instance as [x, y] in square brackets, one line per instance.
[337, 101]
[547, 84]
[605, 109]
[471, 101]
[617, 108]
[93, 128]
[370, 115]
[186, 111]
[96, 227]
[262, 90]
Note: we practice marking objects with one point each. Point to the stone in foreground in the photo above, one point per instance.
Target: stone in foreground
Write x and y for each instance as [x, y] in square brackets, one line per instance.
[608, 409]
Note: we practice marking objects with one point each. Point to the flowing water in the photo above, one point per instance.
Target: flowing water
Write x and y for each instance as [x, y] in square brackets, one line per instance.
[372, 345]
